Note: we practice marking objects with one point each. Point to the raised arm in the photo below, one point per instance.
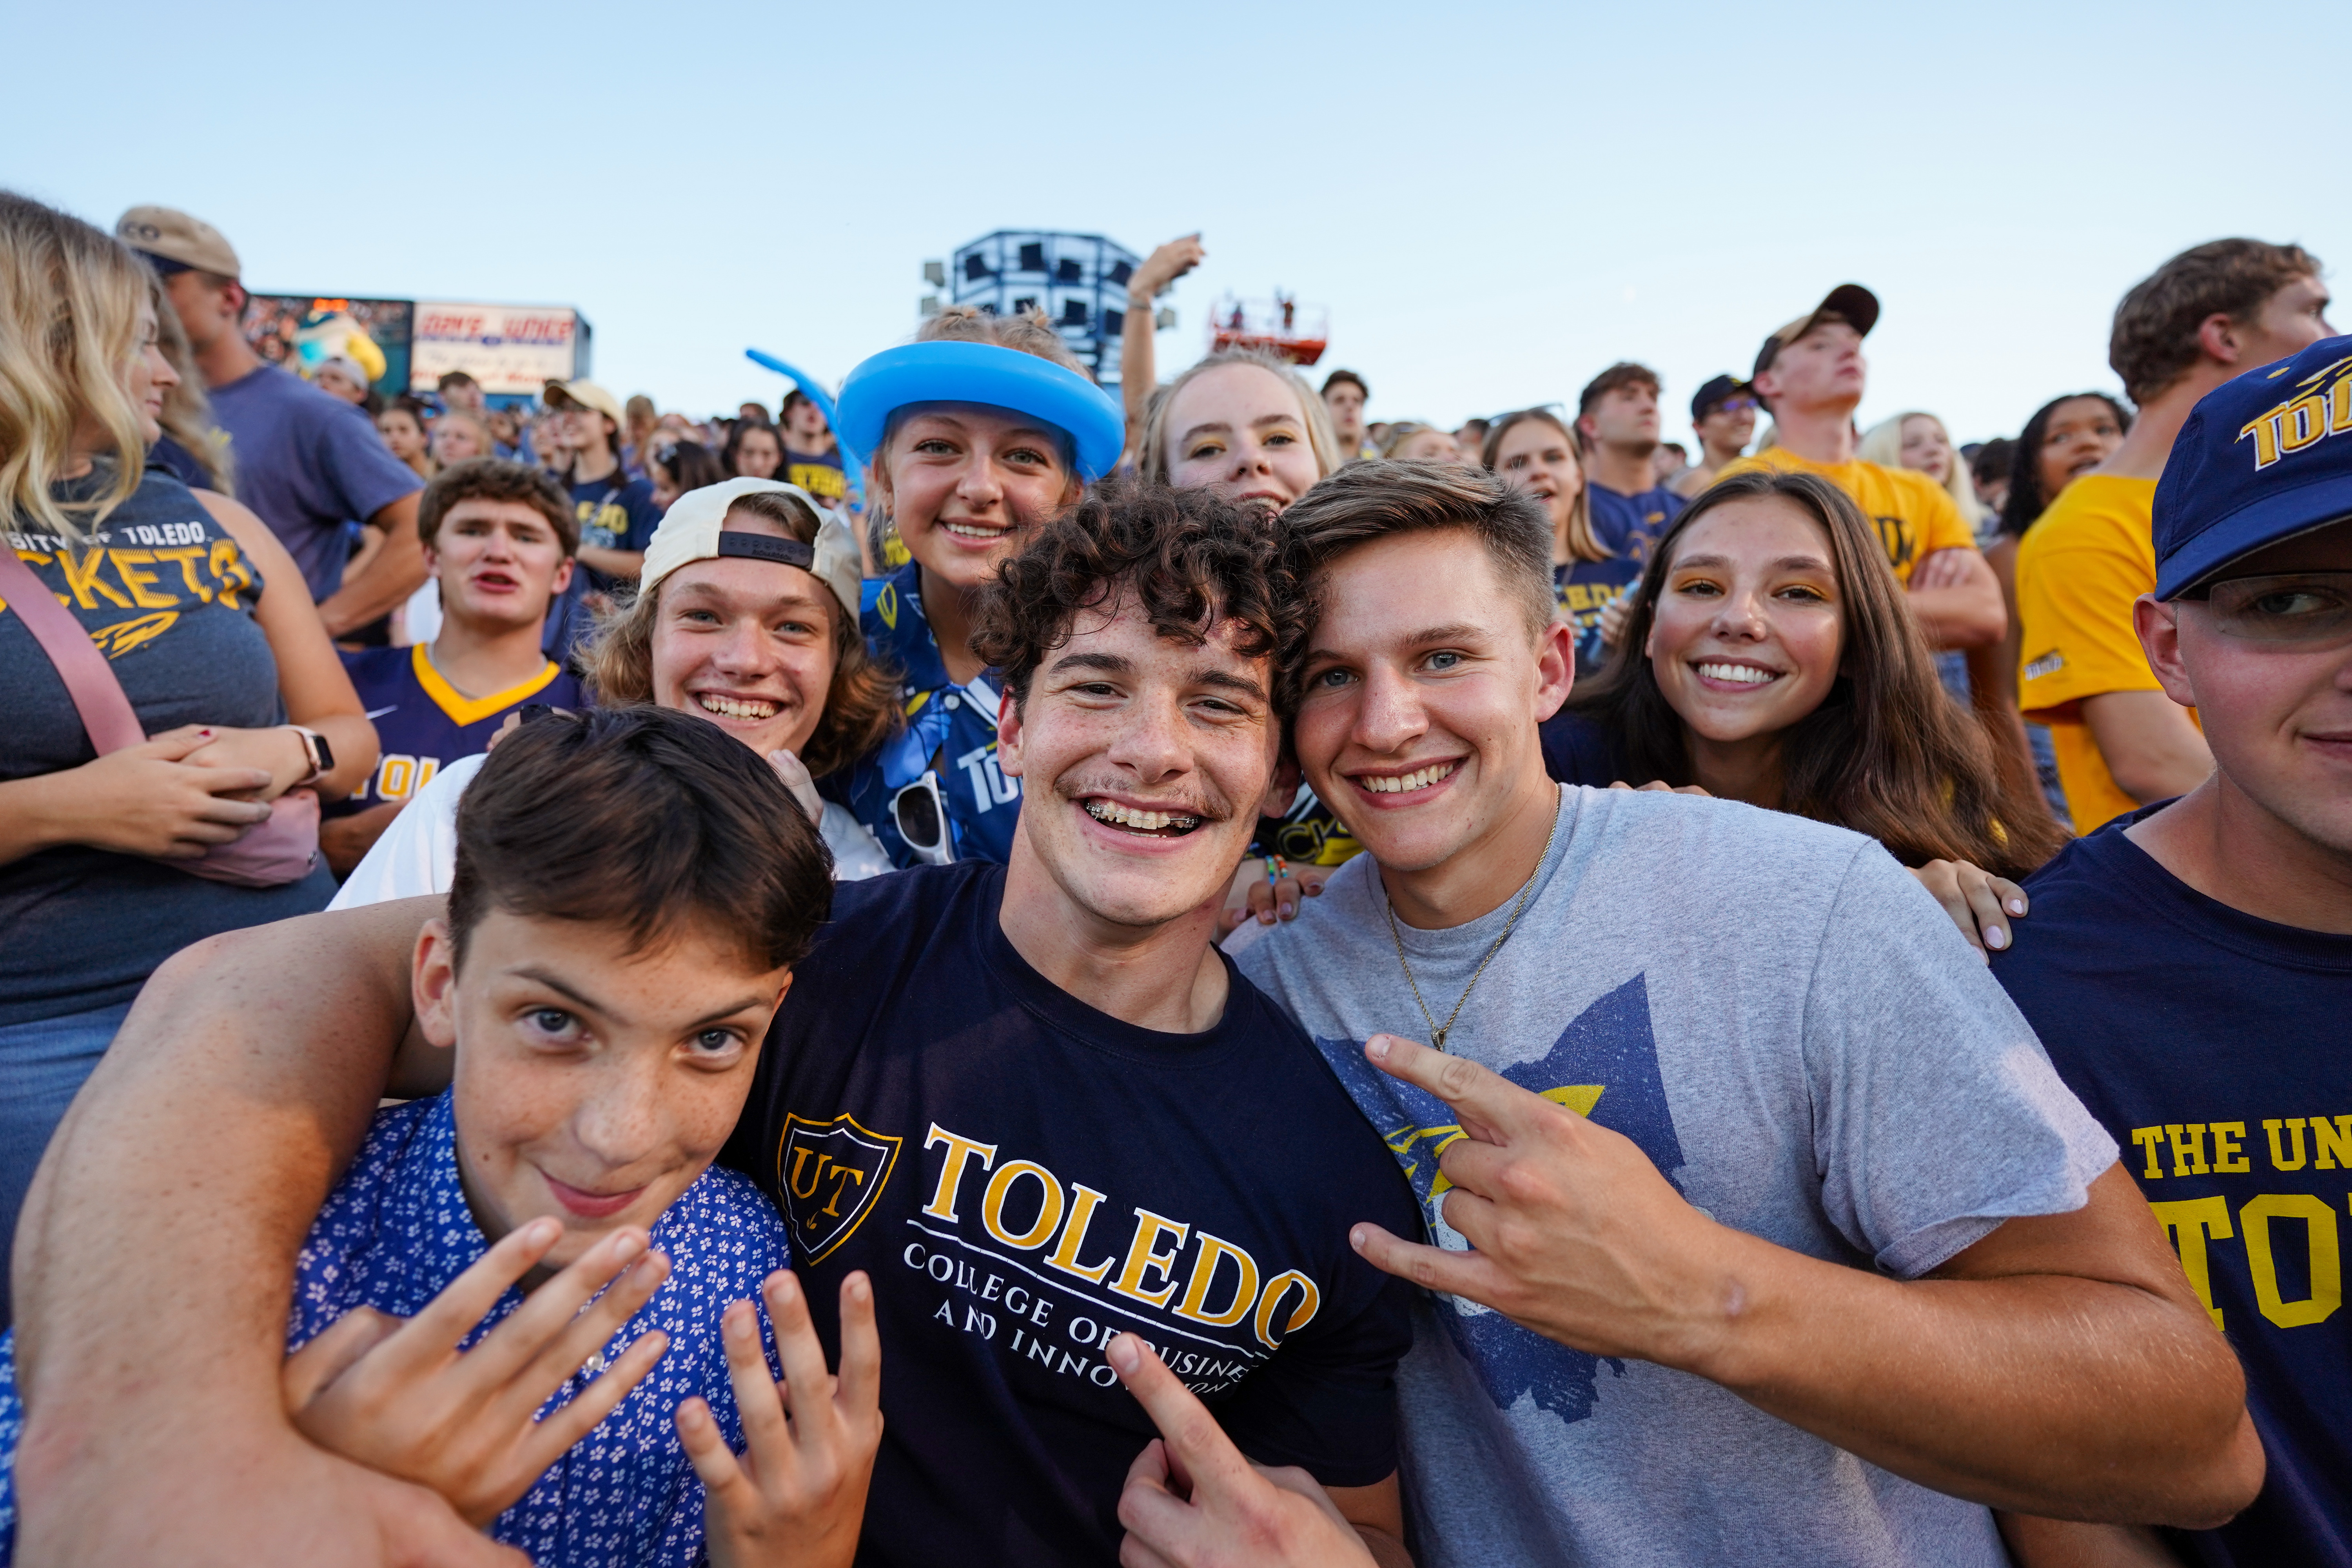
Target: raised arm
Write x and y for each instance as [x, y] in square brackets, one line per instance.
[1138, 372]
[154, 1263]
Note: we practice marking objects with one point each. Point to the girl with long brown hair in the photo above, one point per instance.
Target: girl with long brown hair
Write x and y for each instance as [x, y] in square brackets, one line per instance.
[1769, 656]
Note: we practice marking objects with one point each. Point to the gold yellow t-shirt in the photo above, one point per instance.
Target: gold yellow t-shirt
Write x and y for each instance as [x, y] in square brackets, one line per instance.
[1912, 512]
[2078, 571]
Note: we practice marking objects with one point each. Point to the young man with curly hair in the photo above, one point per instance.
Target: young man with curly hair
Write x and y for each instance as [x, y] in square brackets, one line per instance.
[1029, 1099]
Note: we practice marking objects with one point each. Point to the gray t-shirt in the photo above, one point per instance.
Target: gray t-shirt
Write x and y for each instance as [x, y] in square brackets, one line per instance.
[1787, 1025]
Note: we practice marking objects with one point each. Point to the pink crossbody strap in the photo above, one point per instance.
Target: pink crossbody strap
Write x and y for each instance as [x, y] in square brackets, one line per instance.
[97, 695]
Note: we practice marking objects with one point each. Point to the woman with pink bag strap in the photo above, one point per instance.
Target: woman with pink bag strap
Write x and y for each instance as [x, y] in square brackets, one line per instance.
[157, 738]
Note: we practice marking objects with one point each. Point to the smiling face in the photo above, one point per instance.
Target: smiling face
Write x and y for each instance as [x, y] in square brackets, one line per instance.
[1821, 371]
[593, 1083]
[746, 644]
[1145, 764]
[498, 563]
[2267, 660]
[758, 453]
[961, 480]
[1422, 690]
[1749, 629]
[1535, 456]
[1926, 449]
[148, 377]
[2082, 432]
[1237, 430]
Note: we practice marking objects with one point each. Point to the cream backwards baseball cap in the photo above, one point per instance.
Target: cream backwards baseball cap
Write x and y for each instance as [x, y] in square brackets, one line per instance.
[695, 529]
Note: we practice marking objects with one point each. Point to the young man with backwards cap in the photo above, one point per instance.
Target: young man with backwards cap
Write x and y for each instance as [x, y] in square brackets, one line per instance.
[307, 462]
[746, 639]
[1810, 374]
[1723, 417]
[2191, 961]
[2209, 314]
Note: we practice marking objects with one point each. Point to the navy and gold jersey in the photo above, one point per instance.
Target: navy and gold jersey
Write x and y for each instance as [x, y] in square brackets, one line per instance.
[1586, 588]
[951, 730]
[425, 723]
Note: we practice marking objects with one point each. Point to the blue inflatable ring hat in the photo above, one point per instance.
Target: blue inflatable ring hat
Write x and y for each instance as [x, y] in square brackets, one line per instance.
[984, 374]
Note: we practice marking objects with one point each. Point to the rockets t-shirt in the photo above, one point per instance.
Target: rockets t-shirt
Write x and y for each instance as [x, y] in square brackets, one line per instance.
[1024, 1177]
[1787, 1023]
[2211, 1043]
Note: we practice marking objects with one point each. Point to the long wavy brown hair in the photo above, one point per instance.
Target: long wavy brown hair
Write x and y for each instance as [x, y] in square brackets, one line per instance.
[861, 704]
[1887, 753]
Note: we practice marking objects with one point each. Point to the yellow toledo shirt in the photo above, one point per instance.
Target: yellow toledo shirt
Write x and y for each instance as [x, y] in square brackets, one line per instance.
[1912, 514]
[2078, 571]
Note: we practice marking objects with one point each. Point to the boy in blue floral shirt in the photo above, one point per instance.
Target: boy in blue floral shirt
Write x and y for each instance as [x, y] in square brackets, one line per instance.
[530, 1292]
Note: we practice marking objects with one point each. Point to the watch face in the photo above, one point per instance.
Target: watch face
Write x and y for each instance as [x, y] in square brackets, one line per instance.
[326, 753]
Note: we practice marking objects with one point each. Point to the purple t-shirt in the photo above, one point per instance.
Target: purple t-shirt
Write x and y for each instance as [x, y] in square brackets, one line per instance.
[308, 464]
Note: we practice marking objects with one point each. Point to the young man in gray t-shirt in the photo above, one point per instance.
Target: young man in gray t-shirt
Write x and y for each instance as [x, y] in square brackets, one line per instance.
[1828, 1261]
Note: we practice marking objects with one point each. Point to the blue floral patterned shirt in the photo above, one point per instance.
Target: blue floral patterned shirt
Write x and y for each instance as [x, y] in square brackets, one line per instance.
[397, 1230]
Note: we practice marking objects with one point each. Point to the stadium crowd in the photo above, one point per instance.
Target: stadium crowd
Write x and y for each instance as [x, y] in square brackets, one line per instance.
[1297, 987]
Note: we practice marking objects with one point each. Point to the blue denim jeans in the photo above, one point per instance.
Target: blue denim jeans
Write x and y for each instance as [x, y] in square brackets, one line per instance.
[42, 1067]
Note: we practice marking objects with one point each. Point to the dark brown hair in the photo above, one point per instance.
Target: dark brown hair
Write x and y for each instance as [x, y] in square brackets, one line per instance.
[688, 464]
[644, 820]
[494, 478]
[1624, 373]
[2154, 342]
[861, 702]
[1346, 378]
[1887, 753]
[1189, 558]
[2026, 503]
[1381, 499]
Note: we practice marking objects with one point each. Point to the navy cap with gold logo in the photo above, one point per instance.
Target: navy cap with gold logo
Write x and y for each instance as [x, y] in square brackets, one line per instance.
[2261, 458]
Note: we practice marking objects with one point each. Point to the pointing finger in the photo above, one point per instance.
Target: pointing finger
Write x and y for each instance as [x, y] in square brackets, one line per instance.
[1196, 1444]
[1465, 1274]
[1484, 1098]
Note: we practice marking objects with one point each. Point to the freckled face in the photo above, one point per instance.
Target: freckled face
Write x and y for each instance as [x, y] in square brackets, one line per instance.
[964, 481]
[593, 1084]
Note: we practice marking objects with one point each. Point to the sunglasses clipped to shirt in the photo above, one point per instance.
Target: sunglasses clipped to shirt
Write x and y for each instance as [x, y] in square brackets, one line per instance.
[919, 811]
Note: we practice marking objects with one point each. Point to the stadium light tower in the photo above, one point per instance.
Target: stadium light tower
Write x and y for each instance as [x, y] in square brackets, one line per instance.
[1078, 281]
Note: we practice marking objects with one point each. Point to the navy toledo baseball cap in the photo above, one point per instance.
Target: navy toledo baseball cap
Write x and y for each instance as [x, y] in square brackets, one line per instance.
[2261, 458]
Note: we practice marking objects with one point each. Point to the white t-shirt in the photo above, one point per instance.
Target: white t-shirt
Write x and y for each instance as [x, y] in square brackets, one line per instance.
[1785, 1022]
[418, 853]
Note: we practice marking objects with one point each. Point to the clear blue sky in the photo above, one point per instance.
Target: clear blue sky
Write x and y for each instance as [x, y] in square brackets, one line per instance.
[1494, 201]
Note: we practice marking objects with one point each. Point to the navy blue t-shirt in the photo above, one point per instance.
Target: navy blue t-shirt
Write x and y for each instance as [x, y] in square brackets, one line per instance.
[1024, 1177]
[1629, 525]
[308, 464]
[615, 513]
[1577, 750]
[1585, 589]
[2213, 1046]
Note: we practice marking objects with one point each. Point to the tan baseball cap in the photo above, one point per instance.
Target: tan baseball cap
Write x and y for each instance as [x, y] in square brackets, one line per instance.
[694, 529]
[176, 242]
[588, 395]
[1852, 303]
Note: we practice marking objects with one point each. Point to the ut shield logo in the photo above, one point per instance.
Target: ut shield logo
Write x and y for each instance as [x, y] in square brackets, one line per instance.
[830, 1173]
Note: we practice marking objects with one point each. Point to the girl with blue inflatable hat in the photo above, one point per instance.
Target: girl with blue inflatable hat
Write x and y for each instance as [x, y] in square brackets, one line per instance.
[970, 436]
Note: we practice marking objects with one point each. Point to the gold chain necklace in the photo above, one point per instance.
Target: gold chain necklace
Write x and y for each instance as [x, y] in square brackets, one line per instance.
[1436, 1035]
